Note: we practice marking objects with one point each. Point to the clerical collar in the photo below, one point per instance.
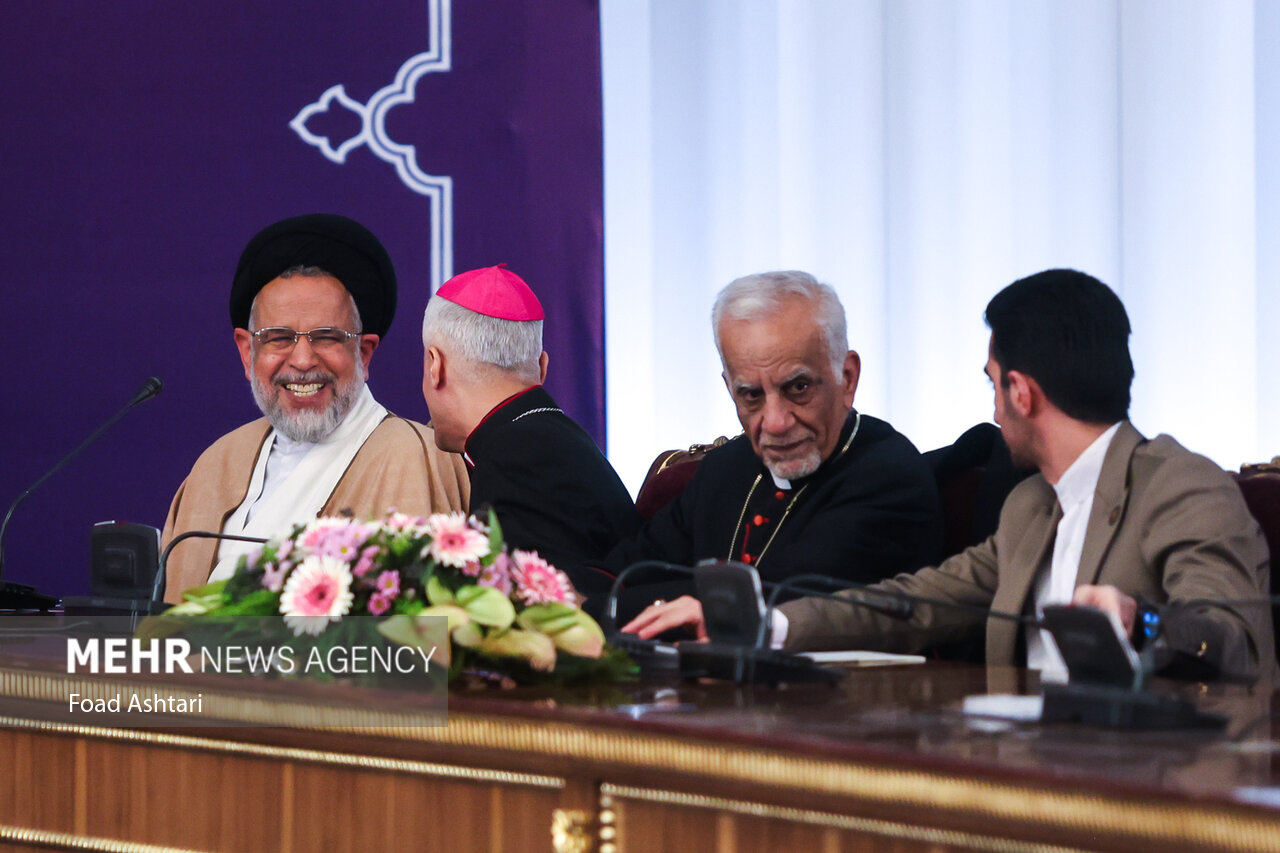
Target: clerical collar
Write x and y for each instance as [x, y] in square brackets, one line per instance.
[752, 549]
[531, 401]
[847, 433]
[500, 407]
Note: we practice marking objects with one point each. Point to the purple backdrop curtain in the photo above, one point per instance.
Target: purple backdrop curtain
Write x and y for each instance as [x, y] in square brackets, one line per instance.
[148, 141]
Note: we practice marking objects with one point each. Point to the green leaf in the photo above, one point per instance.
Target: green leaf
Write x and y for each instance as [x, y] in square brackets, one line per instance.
[205, 590]
[455, 617]
[399, 629]
[487, 606]
[160, 626]
[495, 533]
[201, 599]
[534, 648]
[468, 636]
[437, 592]
[400, 546]
[548, 618]
[568, 627]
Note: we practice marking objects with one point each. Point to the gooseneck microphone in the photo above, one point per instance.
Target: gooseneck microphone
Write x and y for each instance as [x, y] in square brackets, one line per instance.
[12, 595]
[157, 588]
[610, 616]
[889, 602]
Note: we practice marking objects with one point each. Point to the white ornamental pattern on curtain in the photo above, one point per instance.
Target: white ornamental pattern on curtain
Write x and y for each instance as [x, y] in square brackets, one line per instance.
[373, 133]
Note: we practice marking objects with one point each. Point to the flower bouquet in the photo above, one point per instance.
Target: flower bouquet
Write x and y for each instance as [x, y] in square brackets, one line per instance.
[401, 582]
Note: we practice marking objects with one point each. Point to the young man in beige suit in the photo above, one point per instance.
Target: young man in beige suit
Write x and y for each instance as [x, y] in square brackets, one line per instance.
[1112, 518]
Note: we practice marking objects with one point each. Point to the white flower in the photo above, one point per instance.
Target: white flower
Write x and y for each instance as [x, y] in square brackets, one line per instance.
[539, 582]
[454, 542]
[317, 592]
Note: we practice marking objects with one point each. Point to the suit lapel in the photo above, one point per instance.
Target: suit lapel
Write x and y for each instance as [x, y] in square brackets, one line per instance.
[1018, 572]
[1109, 500]
[1031, 555]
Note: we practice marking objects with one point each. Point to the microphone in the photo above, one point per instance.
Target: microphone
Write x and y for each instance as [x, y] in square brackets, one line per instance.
[152, 387]
[889, 602]
[649, 655]
[889, 605]
[734, 615]
[21, 597]
[610, 620]
[158, 588]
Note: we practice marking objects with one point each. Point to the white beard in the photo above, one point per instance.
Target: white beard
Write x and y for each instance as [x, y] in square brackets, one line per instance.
[309, 427]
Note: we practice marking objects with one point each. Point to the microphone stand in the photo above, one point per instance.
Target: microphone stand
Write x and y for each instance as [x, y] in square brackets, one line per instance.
[650, 655]
[19, 596]
[161, 581]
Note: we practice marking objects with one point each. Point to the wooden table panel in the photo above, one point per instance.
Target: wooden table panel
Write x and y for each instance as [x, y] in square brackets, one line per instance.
[38, 791]
[882, 762]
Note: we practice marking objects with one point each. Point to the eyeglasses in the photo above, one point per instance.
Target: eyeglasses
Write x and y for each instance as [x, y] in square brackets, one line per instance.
[282, 337]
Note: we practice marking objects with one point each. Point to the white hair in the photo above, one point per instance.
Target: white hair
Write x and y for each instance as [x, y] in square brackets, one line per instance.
[511, 345]
[754, 296]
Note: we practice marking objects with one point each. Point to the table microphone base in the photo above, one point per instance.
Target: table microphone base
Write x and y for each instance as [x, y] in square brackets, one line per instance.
[750, 665]
[1122, 708]
[16, 596]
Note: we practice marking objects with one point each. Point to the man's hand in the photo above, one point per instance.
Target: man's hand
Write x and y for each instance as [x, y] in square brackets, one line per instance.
[1109, 600]
[662, 616]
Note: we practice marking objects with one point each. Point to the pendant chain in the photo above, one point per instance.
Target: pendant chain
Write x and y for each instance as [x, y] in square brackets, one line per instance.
[742, 516]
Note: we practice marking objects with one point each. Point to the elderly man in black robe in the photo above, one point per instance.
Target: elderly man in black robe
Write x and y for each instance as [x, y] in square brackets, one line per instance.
[813, 486]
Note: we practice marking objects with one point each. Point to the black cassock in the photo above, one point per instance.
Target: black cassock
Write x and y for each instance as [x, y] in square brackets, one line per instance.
[867, 513]
[552, 488]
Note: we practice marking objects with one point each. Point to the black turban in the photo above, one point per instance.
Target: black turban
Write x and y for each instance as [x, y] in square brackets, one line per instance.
[340, 246]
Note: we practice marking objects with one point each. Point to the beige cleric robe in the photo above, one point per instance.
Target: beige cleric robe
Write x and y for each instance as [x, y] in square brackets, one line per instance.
[398, 466]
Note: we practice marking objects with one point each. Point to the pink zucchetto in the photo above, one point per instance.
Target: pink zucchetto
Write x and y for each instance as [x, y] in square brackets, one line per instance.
[493, 292]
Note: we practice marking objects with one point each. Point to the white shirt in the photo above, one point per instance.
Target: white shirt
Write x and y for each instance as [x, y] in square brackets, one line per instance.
[293, 485]
[1075, 490]
[284, 456]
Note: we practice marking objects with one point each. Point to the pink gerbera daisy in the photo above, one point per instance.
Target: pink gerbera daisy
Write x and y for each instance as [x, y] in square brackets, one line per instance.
[401, 521]
[538, 582]
[317, 592]
[454, 542]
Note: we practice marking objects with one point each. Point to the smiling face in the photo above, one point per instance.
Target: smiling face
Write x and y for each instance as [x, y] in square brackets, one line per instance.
[790, 401]
[305, 390]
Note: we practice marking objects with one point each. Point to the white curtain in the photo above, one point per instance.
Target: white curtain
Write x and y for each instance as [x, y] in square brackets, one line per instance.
[919, 155]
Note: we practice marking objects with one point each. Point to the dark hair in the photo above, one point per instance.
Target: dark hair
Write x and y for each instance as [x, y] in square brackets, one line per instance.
[1070, 333]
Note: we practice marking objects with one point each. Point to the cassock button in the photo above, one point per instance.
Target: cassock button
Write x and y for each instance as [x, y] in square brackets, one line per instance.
[779, 495]
[759, 521]
[746, 558]
[1114, 517]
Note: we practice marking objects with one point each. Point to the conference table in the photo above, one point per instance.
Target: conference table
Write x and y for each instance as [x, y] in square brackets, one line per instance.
[885, 760]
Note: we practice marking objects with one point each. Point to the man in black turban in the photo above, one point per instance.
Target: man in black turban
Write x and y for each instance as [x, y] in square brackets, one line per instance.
[311, 299]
